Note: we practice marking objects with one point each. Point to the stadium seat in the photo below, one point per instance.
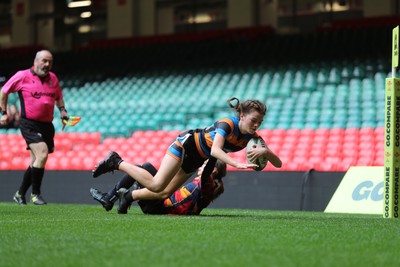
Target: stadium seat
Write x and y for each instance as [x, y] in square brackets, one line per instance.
[329, 106]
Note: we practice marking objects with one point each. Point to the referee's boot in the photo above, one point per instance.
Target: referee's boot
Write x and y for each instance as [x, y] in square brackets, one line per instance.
[20, 199]
[109, 164]
[125, 200]
[102, 199]
[38, 199]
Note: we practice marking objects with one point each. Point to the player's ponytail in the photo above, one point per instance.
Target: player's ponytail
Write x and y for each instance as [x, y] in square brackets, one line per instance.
[236, 106]
[247, 106]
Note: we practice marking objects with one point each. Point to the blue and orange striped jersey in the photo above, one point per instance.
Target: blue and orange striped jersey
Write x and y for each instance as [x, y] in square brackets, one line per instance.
[229, 129]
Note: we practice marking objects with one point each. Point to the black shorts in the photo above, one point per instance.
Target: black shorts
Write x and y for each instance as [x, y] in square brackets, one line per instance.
[185, 148]
[152, 206]
[36, 132]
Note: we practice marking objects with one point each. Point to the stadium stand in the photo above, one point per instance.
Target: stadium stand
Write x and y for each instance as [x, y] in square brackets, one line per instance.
[325, 95]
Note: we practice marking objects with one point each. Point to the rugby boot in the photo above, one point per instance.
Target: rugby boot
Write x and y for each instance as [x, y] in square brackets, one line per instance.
[102, 199]
[124, 204]
[109, 164]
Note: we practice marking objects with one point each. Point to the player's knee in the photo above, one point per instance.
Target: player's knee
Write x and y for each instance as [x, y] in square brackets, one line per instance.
[161, 195]
[164, 194]
[156, 188]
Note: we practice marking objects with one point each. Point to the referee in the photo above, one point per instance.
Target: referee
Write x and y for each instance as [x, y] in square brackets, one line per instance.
[39, 91]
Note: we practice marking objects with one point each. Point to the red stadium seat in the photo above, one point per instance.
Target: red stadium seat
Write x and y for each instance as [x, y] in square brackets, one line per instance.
[349, 152]
[352, 137]
[378, 161]
[335, 139]
[278, 132]
[333, 149]
[293, 132]
[20, 163]
[318, 152]
[5, 165]
[291, 166]
[364, 139]
[306, 139]
[322, 132]
[365, 161]
[308, 132]
[336, 132]
[367, 131]
[265, 133]
[290, 140]
[321, 139]
[379, 133]
[332, 163]
[275, 141]
[352, 131]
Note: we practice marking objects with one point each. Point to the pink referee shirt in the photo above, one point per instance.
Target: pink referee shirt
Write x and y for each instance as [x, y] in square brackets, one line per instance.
[37, 97]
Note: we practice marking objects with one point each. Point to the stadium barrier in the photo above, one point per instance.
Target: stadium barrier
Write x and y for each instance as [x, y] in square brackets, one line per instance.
[243, 190]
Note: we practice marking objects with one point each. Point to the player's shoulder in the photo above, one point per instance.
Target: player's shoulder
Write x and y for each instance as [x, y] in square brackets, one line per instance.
[231, 120]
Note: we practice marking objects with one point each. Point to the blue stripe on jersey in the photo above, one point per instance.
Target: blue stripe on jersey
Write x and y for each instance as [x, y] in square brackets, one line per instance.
[175, 150]
[222, 131]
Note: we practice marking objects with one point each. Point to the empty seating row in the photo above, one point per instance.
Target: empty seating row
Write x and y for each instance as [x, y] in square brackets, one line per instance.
[165, 101]
[300, 150]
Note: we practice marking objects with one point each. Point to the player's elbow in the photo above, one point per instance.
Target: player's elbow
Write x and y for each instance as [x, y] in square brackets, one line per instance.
[213, 153]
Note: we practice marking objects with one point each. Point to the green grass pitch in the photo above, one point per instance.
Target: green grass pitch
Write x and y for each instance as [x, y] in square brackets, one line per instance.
[86, 235]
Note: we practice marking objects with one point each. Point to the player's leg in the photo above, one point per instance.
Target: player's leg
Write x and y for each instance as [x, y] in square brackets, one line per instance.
[108, 199]
[179, 179]
[128, 196]
[170, 167]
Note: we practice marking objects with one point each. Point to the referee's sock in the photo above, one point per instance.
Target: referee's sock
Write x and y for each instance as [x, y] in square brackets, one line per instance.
[26, 182]
[37, 177]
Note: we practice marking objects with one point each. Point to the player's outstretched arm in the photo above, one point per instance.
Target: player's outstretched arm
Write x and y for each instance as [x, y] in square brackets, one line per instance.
[273, 158]
[217, 152]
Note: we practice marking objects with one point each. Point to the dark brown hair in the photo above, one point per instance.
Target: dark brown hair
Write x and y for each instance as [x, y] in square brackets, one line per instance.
[219, 188]
[247, 106]
[221, 168]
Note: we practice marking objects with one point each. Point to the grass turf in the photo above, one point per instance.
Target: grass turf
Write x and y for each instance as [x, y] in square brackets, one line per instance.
[86, 235]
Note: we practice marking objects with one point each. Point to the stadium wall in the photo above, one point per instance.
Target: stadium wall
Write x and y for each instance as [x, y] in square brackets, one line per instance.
[309, 191]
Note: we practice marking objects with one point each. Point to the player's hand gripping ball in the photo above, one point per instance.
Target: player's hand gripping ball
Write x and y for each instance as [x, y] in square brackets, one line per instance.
[260, 161]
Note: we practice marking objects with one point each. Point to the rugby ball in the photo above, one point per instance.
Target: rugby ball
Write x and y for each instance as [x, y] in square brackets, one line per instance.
[261, 161]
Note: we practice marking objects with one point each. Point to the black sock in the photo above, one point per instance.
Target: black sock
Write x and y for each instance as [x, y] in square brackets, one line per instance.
[37, 177]
[26, 181]
[129, 197]
[125, 182]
